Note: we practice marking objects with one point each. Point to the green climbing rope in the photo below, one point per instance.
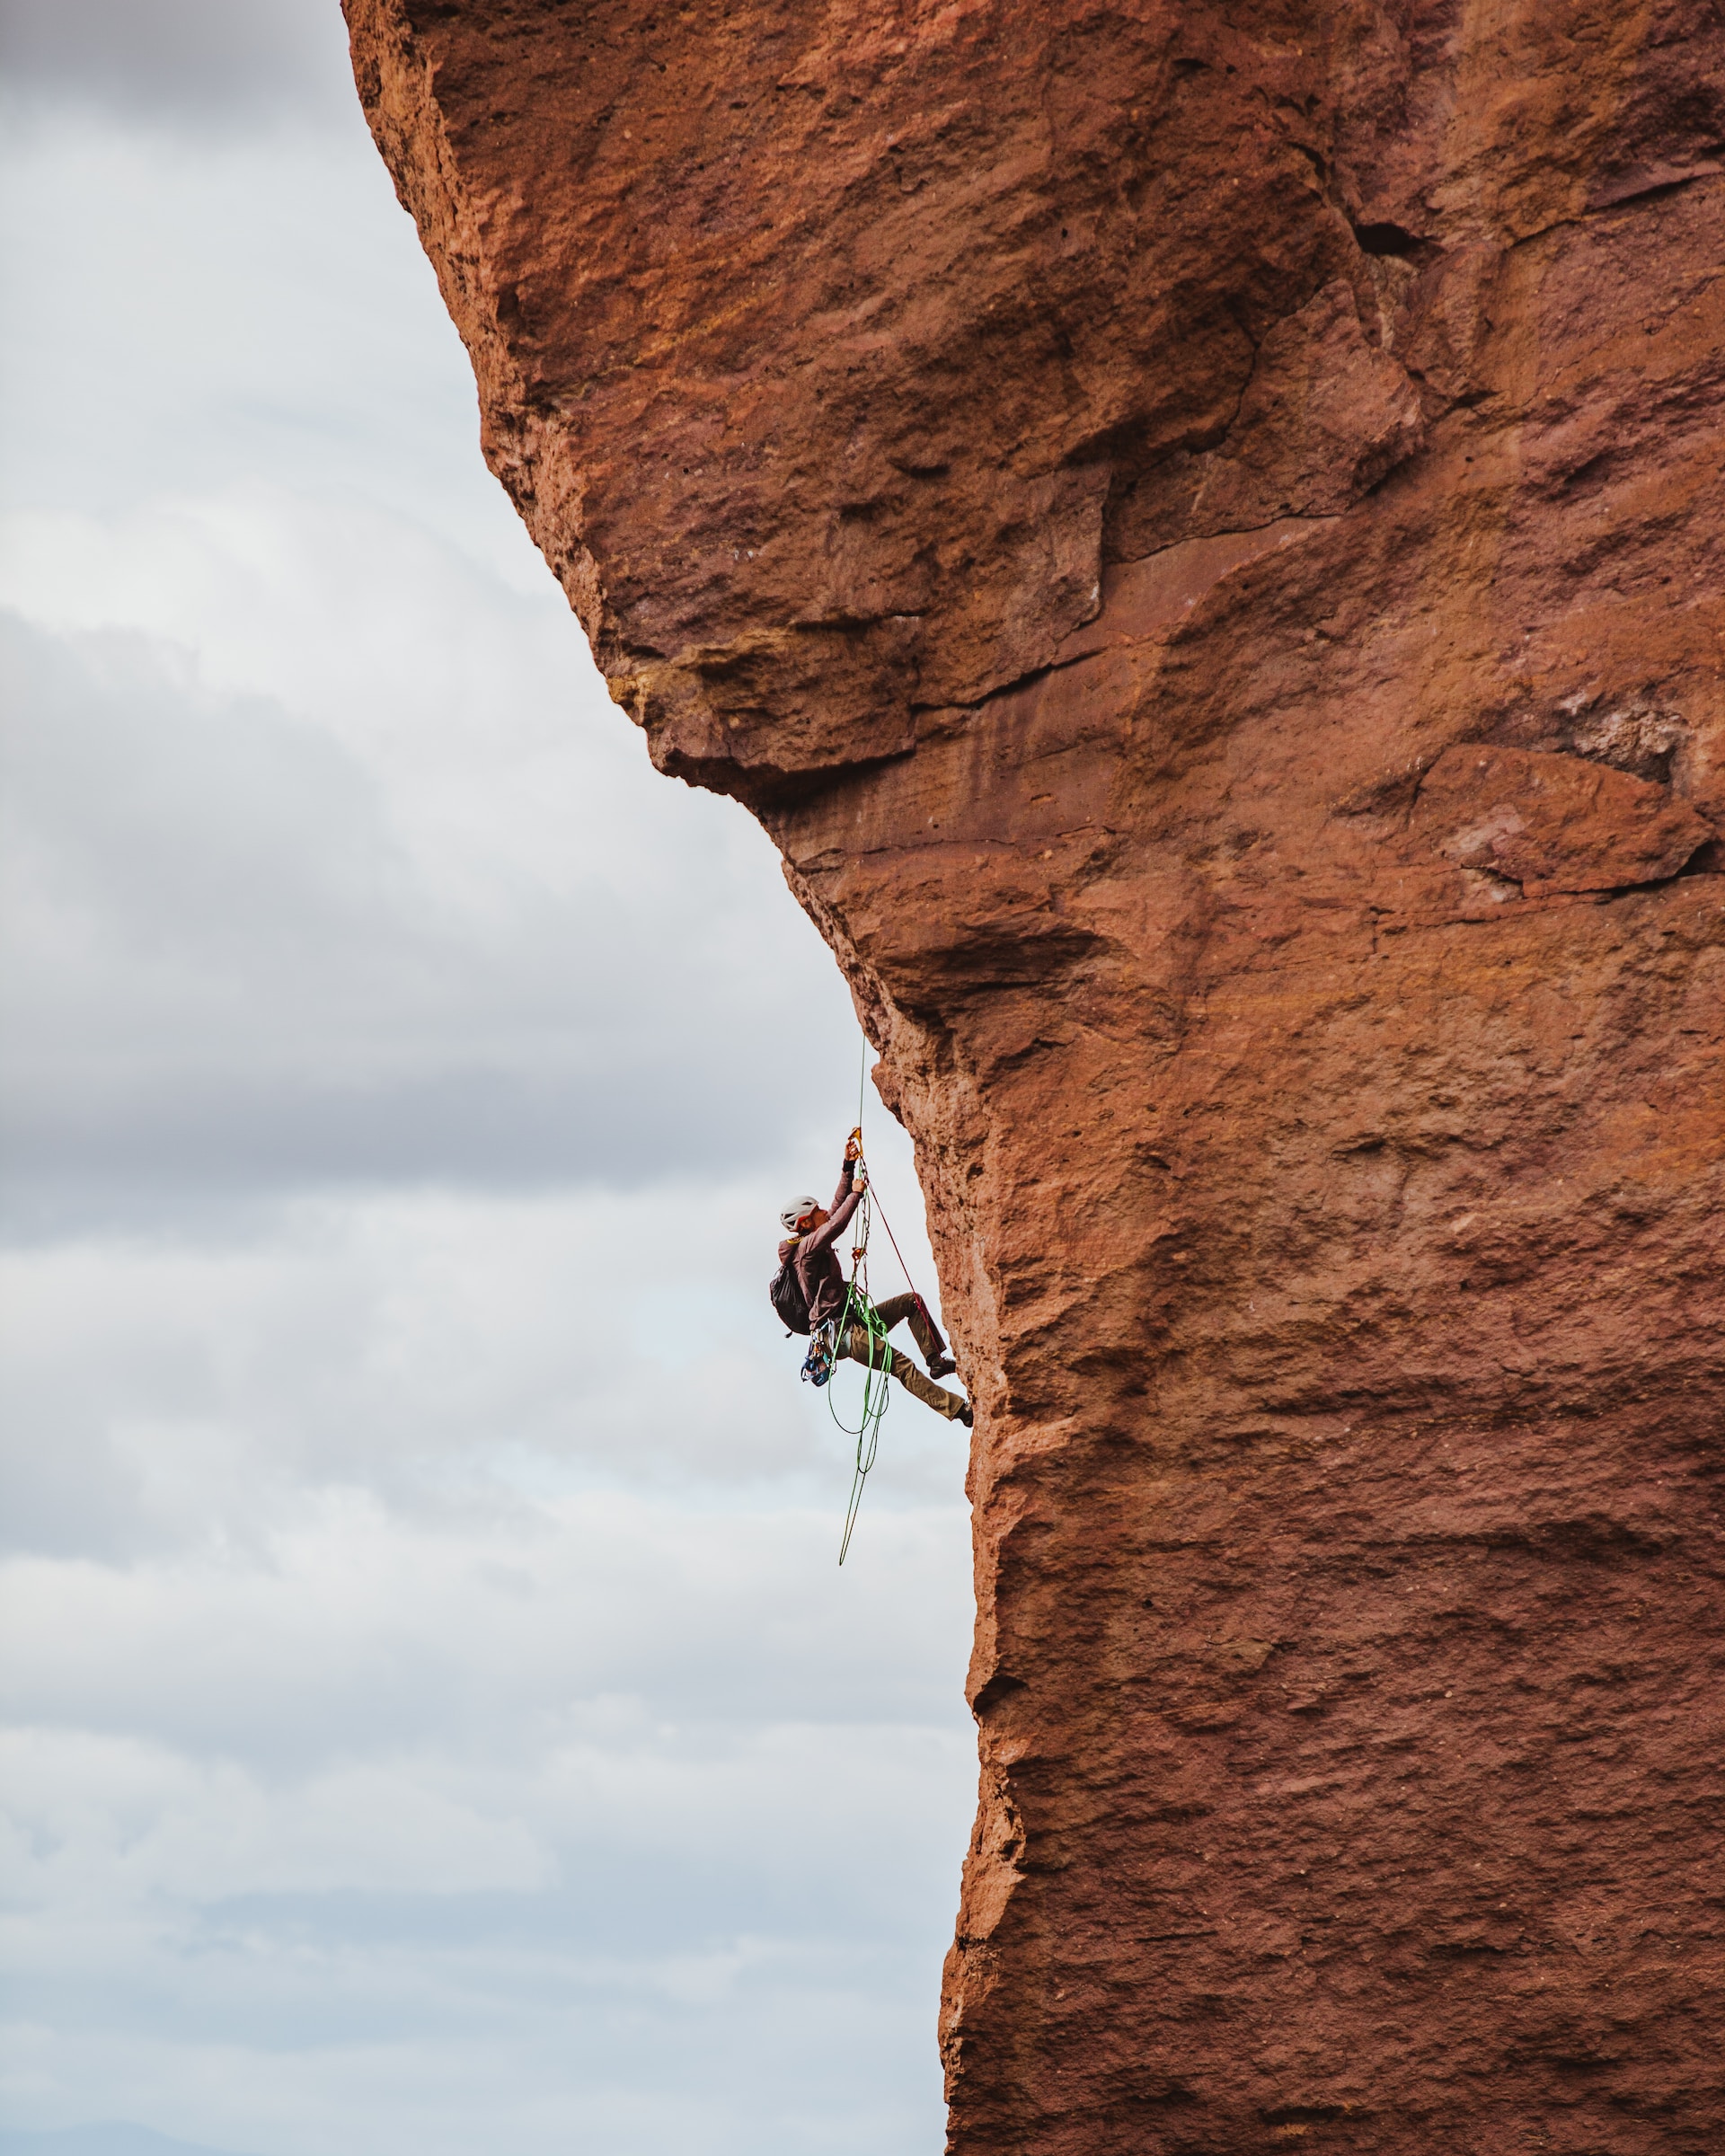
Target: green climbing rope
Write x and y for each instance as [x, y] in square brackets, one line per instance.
[859, 1310]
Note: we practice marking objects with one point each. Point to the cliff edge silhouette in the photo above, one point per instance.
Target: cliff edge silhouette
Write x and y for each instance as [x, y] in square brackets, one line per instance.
[1199, 530]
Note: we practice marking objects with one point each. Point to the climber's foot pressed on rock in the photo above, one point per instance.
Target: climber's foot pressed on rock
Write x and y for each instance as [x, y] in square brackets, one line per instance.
[967, 1417]
[941, 1365]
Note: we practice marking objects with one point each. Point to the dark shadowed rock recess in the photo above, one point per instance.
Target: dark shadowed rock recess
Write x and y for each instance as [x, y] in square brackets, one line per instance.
[1199, 531]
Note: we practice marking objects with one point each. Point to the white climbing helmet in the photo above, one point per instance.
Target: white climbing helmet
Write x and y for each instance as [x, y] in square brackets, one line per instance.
[796, 1212]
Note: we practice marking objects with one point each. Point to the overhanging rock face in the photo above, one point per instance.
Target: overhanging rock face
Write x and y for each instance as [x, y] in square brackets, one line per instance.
[1200, 530]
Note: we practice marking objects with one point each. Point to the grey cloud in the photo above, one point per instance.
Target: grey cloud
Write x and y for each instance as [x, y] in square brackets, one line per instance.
[220, 63]
[223, 979]
[147, 1151]
[437, 1721]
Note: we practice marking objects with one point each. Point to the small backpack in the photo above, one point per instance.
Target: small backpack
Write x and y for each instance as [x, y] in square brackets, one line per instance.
[785, 1291]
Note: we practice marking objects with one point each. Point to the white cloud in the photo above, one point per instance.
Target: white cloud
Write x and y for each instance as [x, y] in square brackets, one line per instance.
[434, 1717]
[436, 1351]
[615, 1820]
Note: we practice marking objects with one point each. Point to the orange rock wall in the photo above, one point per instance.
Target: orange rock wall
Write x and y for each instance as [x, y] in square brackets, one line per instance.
[1200, 530]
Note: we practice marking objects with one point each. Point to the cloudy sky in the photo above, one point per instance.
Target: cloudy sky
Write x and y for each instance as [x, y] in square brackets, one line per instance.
[434, 1719]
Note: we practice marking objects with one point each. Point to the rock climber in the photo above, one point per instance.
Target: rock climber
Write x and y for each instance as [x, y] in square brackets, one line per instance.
[809, 1293]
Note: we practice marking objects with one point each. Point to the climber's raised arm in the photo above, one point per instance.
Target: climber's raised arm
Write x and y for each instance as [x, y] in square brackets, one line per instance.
[853, 1166]
[851, 1183]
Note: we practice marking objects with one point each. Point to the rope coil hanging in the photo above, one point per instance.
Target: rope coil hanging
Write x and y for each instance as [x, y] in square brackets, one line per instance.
[859, 1309]
[877, 1391]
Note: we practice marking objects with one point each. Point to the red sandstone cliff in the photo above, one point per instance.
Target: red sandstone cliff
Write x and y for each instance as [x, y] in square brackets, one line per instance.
[1199, 530]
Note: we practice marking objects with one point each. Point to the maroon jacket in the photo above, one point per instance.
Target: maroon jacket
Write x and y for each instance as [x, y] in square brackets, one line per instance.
[817, 1266]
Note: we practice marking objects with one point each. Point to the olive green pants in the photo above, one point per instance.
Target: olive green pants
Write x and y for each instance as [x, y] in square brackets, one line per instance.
[855, 1347]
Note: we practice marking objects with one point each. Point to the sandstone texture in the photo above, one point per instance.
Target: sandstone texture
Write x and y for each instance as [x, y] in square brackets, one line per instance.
[1200, 530]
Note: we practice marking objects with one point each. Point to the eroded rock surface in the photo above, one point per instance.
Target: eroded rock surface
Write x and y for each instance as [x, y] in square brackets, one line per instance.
[1199, 530]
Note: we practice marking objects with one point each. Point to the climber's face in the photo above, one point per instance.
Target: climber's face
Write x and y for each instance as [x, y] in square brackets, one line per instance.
[811, 1221]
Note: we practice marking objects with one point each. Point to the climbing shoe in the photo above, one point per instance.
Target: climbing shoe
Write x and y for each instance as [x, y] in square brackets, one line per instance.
[941, 1365]
[967, 1415]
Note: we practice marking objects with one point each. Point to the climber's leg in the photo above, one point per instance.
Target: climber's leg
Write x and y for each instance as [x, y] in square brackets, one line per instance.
[855, 1347]
[923, 1330]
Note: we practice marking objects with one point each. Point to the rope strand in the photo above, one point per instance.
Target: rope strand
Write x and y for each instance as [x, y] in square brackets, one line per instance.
[876, 1390]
